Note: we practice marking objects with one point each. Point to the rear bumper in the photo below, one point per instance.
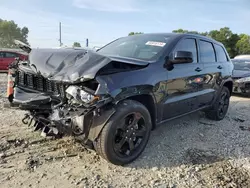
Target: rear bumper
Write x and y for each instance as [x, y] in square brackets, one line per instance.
[242, 87]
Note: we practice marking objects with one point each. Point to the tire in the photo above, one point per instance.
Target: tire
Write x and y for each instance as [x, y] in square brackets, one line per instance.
[222, 102]
[137, 122]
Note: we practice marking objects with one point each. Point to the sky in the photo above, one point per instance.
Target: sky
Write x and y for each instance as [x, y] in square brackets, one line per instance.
[102, 21]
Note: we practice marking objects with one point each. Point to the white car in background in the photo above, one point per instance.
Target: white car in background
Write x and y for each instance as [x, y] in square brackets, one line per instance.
[247, 56]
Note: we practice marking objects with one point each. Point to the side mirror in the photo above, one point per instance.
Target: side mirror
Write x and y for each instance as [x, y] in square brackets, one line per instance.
[180, 57]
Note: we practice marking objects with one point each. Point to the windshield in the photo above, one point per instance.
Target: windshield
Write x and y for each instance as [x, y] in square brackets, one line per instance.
[241, 64]
[143, 47]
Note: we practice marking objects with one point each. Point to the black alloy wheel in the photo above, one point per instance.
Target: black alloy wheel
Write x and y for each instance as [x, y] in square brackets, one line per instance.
[223, 104]
[129, 134]
[220, 106]
[126, 133]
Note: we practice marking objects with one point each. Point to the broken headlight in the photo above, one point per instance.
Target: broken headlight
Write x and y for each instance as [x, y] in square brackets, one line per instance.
[80, 95]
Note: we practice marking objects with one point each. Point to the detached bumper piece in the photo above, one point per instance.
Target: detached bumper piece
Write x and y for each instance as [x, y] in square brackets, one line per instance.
[243, 87]
[40, 123]
[30, 100]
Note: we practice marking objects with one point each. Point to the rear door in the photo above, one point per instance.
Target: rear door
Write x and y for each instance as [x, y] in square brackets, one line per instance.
[222, 59]
[212, 70]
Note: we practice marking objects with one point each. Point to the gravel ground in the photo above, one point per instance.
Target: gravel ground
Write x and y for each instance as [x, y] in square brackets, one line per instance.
[189, 152]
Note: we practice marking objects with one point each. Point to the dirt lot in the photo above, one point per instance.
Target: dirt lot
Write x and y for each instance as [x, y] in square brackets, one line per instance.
[188, 152]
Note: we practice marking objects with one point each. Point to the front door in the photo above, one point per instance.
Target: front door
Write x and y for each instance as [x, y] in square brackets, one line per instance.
[184, 85]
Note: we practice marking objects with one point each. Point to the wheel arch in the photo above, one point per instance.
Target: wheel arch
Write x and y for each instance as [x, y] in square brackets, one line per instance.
[142, 94]
[148, 101]
[229, 85]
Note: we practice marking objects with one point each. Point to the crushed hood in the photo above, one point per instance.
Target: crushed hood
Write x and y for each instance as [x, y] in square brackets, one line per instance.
[71, 65]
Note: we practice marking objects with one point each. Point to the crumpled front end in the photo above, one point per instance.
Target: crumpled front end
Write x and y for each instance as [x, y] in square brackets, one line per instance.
[59, 109]
[63, 91]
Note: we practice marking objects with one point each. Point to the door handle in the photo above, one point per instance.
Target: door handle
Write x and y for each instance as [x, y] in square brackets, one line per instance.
[198, 69]
[219, 67]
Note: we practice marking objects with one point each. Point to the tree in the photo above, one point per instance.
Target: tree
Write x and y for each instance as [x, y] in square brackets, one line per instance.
[243, 45]
[134, 33]
[9, 31]
[235, 44]
[226, 37]
[76, 44]
[186, 31]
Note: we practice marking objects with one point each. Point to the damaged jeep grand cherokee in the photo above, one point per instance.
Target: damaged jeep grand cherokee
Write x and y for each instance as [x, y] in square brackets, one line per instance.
[111, 99]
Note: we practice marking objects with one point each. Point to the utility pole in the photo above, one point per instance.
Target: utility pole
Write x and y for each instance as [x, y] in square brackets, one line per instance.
[60, 34]
[87, 42]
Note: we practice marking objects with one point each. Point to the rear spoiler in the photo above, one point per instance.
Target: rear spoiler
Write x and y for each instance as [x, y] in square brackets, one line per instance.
[23, 46]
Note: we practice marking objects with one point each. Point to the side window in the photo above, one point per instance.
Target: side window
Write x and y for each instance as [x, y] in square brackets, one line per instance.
[188, 45]
[207, 52]
[10, 55]
[220, 53]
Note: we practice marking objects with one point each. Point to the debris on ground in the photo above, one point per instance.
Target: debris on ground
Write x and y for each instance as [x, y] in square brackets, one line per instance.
[225, 175]
[239, 119]
[198, 156]
[244, 128]
[32, 163]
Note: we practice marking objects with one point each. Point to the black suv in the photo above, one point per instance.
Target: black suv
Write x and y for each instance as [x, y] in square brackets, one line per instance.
[111, 99]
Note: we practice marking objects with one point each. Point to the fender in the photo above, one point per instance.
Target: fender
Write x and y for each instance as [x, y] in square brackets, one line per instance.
[228, 79]
[118, 95]
[138, 93]
[99, 122]
[224, 81]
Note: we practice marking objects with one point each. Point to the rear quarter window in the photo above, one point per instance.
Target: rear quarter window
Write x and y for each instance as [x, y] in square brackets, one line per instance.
[220, 53]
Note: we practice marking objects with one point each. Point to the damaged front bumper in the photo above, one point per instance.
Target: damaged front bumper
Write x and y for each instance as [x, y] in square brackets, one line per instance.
[57, 115]
[85, 123]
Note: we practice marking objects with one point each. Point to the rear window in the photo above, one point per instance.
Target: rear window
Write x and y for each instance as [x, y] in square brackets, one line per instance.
[207, 52]
[220, 53]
